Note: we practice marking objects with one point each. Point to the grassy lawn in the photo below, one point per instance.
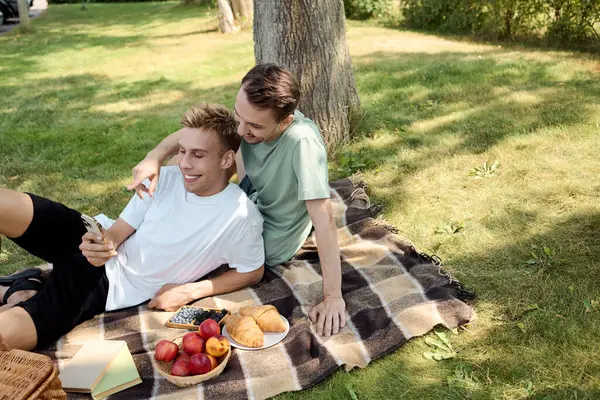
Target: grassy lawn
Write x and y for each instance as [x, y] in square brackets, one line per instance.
[90, 92]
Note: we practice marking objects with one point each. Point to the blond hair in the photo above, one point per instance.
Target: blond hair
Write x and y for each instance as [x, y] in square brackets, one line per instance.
[217, 117]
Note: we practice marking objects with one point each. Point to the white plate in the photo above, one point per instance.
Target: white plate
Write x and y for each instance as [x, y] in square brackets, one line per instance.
[271, 338]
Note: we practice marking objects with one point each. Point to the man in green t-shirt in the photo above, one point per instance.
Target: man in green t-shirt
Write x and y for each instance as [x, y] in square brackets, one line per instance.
[282, 165]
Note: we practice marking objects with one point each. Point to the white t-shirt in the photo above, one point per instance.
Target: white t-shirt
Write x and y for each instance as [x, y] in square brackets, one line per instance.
[180, 237]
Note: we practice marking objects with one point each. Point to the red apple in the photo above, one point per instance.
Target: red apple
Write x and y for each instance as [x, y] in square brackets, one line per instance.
[200, 364]
[165, 351]
[193, 343]
[180, 368]
[209, 328]
[217, 345]
[183, 356]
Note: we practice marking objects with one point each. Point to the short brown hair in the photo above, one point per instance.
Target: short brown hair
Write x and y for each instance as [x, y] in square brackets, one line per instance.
[217, 117]
[268, 86]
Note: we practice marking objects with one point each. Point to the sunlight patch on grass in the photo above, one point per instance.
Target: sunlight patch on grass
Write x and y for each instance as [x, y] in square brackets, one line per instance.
[361, 43]
[140, 103]
[96, 189]
[526, 98]
[437, 122]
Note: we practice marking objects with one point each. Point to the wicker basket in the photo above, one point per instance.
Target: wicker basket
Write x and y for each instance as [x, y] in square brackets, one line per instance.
[26, 375]
[163, 369]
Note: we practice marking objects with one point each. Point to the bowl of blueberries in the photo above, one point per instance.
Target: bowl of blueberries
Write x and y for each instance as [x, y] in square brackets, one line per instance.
[190, 317]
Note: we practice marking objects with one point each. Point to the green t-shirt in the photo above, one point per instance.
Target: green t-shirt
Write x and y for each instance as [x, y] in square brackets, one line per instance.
[285, 173]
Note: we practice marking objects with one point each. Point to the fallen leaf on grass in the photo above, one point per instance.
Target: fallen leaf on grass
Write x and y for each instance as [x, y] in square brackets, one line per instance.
[442, 347]
[532, 307]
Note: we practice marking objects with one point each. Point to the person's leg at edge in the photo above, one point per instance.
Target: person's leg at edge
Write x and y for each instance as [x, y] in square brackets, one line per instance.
[26, 219]
[17, 329]
[16, 213]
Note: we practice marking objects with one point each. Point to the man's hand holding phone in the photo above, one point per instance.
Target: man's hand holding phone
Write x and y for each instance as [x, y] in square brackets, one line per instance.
[96, 250]
[95, 244]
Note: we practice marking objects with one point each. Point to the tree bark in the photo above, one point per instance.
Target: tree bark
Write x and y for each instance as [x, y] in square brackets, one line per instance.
[226, 20]
[308, 38]
[24, 13]
[243, 10]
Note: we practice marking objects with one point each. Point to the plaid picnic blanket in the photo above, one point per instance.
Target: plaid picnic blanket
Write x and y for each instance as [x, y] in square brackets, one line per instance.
[392, 293]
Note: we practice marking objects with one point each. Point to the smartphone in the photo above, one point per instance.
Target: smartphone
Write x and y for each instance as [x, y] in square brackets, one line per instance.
[93, 226]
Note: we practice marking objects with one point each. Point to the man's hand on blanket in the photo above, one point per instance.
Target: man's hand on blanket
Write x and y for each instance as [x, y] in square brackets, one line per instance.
[95, 250]
[171, 296]
[329, 316]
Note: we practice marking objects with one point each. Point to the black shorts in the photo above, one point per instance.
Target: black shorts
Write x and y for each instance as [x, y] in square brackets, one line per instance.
[76, 291]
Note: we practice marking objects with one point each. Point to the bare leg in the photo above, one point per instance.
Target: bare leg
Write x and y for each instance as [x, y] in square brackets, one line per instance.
[16, 212]
[17, 329]
[5, 307]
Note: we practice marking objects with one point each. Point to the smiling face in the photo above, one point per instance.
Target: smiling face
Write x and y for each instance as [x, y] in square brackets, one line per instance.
[257, 125]
[203, 161]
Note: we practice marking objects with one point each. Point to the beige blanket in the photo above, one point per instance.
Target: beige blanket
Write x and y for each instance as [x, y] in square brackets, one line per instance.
[392, 293]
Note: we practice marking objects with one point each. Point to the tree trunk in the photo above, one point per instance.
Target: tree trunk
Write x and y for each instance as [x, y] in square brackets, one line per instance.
[24, 13]
[308, 37]
[226, 21]
[243, 10]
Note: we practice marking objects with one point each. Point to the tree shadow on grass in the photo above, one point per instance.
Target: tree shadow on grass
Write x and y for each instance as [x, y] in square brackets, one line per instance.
[111, 26]
[571, 392]
[457, 103]
[105, 121]
[458, 93]
[439, 106]
[129, 15]
[555, 347]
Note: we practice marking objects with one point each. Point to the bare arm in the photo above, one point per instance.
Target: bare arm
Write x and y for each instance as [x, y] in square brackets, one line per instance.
[321, 215]
[330, 314]
[172, 296]
[149, 167]
[119, 232]
[167, 147]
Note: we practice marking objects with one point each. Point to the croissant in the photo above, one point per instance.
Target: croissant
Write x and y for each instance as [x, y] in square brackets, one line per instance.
[244, 330]
[267, 317]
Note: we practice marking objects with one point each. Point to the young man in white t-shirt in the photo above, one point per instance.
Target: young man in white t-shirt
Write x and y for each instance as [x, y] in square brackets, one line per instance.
[153, 250]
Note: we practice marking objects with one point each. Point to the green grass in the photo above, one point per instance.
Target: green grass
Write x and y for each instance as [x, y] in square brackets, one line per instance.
[88, 93]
